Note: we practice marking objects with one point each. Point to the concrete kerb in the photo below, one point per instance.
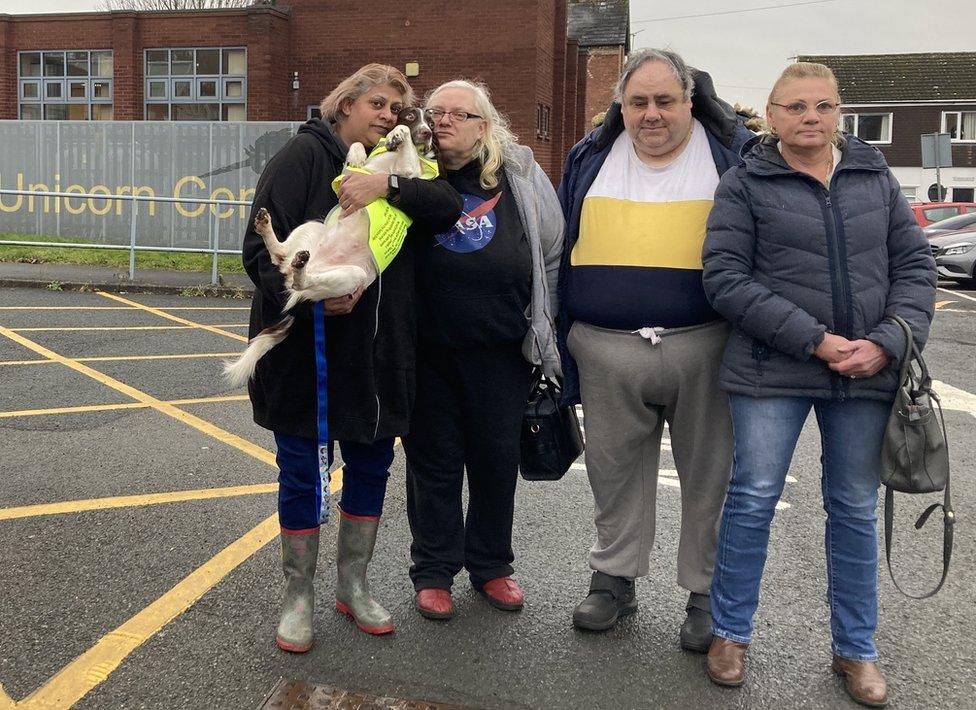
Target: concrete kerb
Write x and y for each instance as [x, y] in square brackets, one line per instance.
[205, 289]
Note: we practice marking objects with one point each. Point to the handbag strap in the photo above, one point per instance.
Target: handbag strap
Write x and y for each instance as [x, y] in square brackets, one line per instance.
[948, 515]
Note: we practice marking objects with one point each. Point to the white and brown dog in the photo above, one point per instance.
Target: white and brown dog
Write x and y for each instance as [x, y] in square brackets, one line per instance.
[332, 257]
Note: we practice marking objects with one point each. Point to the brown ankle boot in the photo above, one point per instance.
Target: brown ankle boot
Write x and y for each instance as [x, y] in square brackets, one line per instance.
[863, 681]
[726, 662]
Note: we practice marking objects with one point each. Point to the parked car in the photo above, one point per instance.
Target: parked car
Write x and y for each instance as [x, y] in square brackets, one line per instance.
[955, 255]
[928, 212]
[960, 221]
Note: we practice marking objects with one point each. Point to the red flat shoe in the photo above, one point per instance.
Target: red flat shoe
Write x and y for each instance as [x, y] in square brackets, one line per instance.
[435, 604]
[503, 593]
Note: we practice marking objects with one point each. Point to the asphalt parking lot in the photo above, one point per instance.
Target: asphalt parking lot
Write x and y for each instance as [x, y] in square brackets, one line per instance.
[140, 554]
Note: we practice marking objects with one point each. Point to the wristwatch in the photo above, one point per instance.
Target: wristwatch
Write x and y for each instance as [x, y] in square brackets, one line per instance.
[393, 189]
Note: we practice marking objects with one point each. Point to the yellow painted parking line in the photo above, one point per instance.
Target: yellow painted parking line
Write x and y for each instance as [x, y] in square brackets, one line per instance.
[93, 667]
[121, 327]
[5, 700]
[82, 409]
[122, 358]
[133, 501]
[169, 316]
[204, 308]
[199, 424]
[942, 304]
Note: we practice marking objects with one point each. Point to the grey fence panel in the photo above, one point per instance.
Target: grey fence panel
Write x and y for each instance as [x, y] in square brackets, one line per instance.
[198, 160]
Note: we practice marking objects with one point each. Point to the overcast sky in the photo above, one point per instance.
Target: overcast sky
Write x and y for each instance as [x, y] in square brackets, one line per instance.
[745, 51]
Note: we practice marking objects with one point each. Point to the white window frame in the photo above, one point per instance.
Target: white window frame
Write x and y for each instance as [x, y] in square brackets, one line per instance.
[891, 120]
[958, 118]
[913, 197]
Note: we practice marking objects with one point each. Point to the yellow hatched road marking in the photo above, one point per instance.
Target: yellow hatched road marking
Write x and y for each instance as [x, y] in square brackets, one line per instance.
[81, 409]
[123, 327]
[942, 304]
[122, 358]
[92, 667]
[159, 405]
[169, 316]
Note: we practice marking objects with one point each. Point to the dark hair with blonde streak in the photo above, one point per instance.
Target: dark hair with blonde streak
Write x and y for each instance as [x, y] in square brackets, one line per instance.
[358, 83]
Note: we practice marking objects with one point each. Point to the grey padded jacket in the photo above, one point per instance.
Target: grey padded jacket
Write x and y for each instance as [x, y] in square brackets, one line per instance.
[787, 259]
[542, 218]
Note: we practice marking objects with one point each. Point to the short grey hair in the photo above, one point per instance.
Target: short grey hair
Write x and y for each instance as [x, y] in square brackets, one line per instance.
[672, 60]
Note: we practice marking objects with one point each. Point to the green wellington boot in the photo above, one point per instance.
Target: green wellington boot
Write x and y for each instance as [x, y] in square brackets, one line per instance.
[354, 550]
[299, 552]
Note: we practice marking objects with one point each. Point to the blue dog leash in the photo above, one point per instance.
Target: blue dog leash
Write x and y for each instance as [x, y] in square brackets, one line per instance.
[322, 392]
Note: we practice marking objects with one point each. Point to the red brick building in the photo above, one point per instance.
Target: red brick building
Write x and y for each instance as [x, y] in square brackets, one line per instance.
[275, 63]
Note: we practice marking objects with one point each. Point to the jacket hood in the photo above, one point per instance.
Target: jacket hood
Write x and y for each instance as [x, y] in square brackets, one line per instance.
[762, 156]
[323, 132]
[519, 160]
[713, 113]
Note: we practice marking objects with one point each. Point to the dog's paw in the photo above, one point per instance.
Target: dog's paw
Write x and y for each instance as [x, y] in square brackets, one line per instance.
[262, 220]
[397, 137]
[394, 142]
[356, 156]
[300, 259]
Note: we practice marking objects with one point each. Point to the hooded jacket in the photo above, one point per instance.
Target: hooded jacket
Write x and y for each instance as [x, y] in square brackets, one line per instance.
[370, 351]
[787, 259]
[726, 135]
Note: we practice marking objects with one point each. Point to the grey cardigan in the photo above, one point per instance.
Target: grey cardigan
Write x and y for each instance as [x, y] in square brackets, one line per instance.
[542, 218]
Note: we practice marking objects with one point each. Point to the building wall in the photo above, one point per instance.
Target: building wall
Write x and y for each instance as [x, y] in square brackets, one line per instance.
[603, 66]
[517, 47]
[909, 123]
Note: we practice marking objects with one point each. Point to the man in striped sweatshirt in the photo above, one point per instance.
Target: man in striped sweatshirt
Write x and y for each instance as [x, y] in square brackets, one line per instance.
[641, 346]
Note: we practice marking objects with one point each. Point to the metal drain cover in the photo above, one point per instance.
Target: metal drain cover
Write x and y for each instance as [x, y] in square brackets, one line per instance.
[302, 695]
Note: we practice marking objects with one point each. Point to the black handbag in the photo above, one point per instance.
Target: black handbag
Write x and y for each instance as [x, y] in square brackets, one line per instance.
[551, 436]
[915, 451]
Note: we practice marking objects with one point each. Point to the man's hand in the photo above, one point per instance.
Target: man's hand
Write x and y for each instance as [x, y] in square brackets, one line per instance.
[341, 305]
[833, 348]
[358, 190]
[865, 359]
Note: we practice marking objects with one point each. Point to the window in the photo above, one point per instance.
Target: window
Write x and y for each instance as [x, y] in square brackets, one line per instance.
[543, 114]
[313, 112]
[65, 85]
[960, 125]
[910, 192]
[937, 214]
[869, 127]
[196, 84]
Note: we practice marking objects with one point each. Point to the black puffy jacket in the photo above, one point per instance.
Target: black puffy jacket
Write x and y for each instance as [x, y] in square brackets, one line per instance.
[786, 260]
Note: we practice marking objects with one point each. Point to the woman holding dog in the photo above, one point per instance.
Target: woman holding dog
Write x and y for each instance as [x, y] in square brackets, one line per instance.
[370, 339]
[486, 288]
[810, 246]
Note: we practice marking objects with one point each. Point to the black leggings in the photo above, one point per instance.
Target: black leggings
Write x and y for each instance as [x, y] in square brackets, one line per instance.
[468, 414]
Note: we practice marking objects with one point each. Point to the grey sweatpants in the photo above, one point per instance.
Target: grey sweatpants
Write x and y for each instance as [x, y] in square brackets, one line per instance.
[630, 388]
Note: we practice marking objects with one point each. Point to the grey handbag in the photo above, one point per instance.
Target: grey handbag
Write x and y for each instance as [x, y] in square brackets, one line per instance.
[915, 451]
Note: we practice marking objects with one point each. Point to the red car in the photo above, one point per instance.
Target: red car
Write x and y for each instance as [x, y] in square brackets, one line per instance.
[928, 212]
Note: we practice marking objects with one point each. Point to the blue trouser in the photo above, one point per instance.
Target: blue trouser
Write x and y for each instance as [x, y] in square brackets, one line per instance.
[366, 468]
[765, 430]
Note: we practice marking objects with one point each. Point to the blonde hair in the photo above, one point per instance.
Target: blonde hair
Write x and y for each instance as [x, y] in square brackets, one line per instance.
[491, 147]
[358, 83]
[808, 70]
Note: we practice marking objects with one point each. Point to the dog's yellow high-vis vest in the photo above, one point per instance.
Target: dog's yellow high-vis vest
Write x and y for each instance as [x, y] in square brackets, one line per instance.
[387, 224]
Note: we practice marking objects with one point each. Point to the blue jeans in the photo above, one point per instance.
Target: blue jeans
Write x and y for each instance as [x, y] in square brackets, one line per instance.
[365, 472]
[765, 430]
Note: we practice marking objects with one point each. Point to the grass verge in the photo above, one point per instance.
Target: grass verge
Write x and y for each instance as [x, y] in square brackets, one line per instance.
[110, 257]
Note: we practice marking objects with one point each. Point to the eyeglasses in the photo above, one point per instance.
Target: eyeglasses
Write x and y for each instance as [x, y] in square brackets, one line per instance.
[798, 108]
[436, 114]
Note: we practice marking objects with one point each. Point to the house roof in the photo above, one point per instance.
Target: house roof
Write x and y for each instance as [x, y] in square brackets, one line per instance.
[880, 78]
[599, 23]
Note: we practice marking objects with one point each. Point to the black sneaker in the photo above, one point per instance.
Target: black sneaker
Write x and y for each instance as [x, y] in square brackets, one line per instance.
[696, 631]
[609, 599]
